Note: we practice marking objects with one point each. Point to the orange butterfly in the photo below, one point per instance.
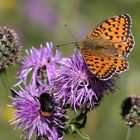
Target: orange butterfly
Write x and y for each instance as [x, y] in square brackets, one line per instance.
[106, 47]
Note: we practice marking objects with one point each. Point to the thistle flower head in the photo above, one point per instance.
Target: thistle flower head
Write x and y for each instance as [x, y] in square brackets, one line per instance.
[77, 87]
[42, 65]
[10, 49]
[131, 110]
[37, 113]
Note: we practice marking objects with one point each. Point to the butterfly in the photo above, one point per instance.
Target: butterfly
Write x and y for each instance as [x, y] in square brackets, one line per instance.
[106, 47]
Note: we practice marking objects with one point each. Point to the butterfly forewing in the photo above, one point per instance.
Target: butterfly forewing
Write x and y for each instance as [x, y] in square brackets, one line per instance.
[101, 67]
[114, 29]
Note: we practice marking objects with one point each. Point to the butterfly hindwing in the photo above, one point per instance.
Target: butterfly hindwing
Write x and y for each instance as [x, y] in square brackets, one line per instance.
[103, 68]
[121, 65]
[126, 47]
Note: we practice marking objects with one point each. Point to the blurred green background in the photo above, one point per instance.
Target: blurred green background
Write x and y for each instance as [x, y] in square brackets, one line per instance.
[43, 20]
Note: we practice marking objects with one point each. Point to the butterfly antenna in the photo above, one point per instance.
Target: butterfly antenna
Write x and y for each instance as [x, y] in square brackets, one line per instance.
[66, 26]
[66, 44]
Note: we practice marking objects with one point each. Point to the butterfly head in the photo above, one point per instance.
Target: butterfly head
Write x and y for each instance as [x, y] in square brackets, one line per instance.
[79, 45]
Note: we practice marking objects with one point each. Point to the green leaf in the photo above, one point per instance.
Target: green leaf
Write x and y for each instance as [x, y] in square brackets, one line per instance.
[82, 134]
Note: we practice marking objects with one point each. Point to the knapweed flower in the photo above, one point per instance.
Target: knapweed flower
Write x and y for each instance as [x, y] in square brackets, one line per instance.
[40, 13]
[131, 110]
[37, 113]
[10, 49]
[77, 87]
[40, 64]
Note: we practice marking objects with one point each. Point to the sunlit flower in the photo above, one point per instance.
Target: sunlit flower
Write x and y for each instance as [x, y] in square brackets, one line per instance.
[37, 113]
[77, 87]
[40, 64]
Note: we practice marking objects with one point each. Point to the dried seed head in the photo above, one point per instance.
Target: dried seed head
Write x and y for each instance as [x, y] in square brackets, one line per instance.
[131, 110]
[10, 48]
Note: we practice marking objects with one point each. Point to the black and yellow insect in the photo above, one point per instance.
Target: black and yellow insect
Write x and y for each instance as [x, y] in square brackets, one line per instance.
[46, 104]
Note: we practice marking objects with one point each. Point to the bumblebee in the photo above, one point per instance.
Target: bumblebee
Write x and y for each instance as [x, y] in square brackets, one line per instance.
[46, 104]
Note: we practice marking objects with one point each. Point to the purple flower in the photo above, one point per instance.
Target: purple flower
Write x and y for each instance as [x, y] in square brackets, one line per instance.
[40, 65]
[77, 87]
[40, 13]
[37, 113]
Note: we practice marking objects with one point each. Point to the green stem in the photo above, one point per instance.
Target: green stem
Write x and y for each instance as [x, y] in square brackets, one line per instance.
[38, 138]
[129, 132]
[4, 81]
